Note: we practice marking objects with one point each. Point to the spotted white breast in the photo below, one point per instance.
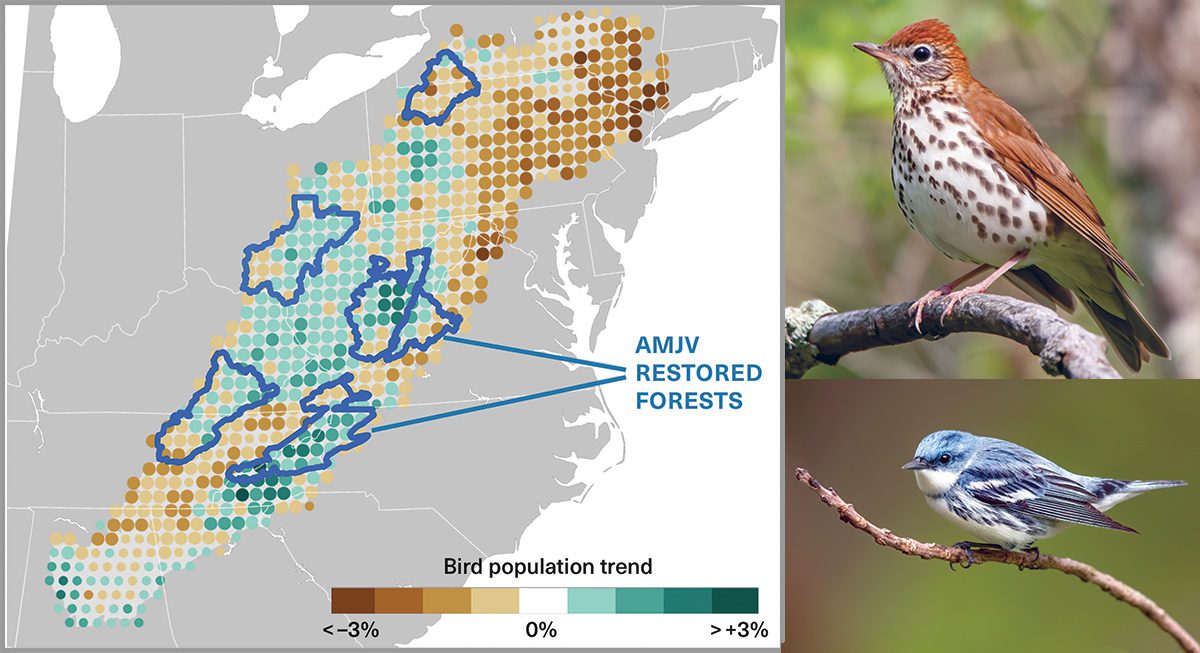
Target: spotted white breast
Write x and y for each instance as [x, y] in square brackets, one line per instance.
[952, 191]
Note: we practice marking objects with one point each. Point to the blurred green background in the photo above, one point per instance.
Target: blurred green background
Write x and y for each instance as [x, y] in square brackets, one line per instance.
[1087, 75]
[845, 593]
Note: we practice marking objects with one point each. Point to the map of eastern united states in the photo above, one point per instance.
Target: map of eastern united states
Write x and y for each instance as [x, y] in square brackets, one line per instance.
[346, 300]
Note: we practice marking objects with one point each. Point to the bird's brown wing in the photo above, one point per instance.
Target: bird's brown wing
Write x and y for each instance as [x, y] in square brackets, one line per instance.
[1025, 156]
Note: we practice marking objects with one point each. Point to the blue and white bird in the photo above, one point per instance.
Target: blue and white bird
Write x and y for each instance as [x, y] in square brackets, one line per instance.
[1009, 496]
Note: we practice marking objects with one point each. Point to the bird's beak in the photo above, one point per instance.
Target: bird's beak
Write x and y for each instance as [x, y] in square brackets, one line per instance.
[879, 53]
[915, 463]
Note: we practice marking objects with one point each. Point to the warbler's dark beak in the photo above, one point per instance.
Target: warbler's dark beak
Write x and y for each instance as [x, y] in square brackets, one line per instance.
[879, 53]
[915, 463]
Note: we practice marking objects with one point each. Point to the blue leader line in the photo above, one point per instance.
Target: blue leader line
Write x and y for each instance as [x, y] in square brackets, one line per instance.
[530, 352]
[497, 404]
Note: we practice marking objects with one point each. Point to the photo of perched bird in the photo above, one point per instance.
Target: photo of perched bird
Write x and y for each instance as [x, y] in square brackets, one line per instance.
[1009, 496]
[974, 178]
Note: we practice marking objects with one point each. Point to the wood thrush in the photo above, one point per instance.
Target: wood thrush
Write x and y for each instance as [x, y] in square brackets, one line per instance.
[973, 177]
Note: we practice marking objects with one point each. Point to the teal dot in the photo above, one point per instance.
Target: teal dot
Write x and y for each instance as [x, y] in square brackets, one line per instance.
[320, 168]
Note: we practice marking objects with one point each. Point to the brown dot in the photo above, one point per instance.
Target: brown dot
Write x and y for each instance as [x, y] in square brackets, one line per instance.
[97, 539]
[484, 41]
[141, 524]
[456, 30]
[111, 539]
[567, 173]
[133, 483]
[581, 57]
[148, 469]
[498, 39]
[416, 203]
[182, 524]
[635, 135]
[393, 374]
[482, 254]
[635, 64]
[131, 497]
[127, 524]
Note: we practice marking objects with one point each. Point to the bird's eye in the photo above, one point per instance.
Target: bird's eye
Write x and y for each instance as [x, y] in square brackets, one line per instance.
[944, 459]
[922, 53]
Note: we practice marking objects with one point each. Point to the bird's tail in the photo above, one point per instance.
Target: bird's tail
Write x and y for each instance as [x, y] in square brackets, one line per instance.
[1122, 323]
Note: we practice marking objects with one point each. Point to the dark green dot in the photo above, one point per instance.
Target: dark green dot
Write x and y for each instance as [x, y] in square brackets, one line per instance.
[417, 175]
[389, 206]
[284, 493]
[384, 304]
[242, 494]
[402, 148]
[418, 146]
[374, 206]
[300, 338]
[272, 339]
[431, 146]
[256, 354]
[290, 254]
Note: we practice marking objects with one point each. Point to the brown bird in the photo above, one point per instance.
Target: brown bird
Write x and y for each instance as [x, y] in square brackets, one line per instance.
[973, 177]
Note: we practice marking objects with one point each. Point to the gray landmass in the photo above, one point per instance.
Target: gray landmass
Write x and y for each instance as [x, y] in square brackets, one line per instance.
[36, 224]
[41, 626]
[124, 223]
[331, 29]
[467, 486]
[194, 59]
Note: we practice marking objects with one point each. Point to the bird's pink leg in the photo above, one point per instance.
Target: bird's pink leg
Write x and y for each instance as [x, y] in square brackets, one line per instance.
[982, 285]
[945, 289]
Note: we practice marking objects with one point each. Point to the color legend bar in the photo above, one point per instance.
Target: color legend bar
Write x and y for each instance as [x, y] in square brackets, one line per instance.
[544, 600]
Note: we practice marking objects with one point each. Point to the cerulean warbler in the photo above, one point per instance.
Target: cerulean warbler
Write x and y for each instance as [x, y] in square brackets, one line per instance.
[1009, 496]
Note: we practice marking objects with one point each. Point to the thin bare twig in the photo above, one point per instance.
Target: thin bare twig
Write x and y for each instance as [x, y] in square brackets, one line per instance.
[1022, 559]
[1065, 348]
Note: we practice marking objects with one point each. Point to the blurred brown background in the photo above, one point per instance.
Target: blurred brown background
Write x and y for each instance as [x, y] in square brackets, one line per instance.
[1112, 87]
[845, 593]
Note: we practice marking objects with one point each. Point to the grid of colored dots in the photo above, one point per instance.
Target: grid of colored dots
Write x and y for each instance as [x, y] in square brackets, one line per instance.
[548, 110]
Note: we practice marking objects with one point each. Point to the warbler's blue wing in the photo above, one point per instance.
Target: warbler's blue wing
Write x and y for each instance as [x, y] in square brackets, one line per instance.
[1038, 492]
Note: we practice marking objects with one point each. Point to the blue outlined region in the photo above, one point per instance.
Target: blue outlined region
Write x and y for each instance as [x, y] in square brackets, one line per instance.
[397, 298]
[408, 113]
[259, 396]
[300, 262]
[310, 448]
